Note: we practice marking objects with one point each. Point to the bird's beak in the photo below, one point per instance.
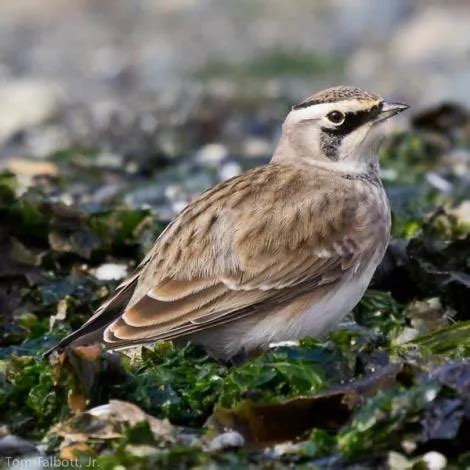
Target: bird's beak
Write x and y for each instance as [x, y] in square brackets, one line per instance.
[390, 109]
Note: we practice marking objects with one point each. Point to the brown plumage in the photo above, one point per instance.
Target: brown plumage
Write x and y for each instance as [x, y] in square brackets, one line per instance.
[247, 261]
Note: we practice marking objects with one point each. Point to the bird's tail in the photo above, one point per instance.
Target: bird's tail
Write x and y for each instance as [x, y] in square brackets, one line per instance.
[92, 331]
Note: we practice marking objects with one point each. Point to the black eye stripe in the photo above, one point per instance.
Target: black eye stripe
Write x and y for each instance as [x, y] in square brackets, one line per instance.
[354, 120]
[331, 137]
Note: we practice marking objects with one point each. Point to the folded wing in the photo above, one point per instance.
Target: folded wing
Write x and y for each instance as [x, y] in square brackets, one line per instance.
[248, 244]
[240, 249]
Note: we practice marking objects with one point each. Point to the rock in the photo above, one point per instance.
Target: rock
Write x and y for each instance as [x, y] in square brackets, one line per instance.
[28, 172]
[14, 446]
[458, 162]
[229, 170]
[107, 422]
[23, 167]
[430, 36]
[118, 411]
[109, 160]
[429, 45]
[212, 154]
[435, 461]
[462, 212]
[227, 440]
[438, 182]
[111, 272]
[24, 104]
[255, 147]
[428, 315]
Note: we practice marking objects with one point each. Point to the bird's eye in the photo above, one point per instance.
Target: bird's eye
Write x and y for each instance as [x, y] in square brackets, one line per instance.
[336, 117]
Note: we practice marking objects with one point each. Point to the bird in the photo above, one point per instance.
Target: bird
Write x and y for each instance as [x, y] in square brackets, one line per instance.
[278, 253]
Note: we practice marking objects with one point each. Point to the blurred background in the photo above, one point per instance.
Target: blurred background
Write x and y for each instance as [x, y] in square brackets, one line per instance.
[109, 94]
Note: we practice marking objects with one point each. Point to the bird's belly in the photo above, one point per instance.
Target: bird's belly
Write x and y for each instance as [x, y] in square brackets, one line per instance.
[314, 314]
[323, 315]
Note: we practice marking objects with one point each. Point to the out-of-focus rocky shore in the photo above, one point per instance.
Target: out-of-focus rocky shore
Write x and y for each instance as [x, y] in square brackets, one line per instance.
[150, 93]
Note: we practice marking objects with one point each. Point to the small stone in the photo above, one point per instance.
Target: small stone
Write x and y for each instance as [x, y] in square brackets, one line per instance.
[434, 460]
[108, 160]
[111, 272]
[15, 446]
[280, 344]
[458, 162]
[462, 212]
[229, 170]
[389, 174]
[212, 154]
[25, 103]
[178, 206]
[429, 37]
[397, 461]
[27, 170]
[227, 440]
[408, 334]
[31, 168]
[61, 313]
[254, 147]
[285, 448]
[173, 191]
[439, 182]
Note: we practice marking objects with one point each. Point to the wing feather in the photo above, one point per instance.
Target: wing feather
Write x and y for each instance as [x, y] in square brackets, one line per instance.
[250, 254]
[245, 246]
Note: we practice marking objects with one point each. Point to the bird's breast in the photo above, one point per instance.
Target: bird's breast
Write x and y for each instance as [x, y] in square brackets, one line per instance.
[326, 312]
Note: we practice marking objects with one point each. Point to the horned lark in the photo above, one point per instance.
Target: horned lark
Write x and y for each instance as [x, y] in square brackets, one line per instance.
[281, 252]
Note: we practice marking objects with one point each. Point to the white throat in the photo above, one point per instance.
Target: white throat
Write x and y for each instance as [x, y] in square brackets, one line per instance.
[285, 154]
[356, 167]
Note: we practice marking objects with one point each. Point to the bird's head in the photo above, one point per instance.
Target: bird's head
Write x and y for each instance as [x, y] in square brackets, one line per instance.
[337, 127]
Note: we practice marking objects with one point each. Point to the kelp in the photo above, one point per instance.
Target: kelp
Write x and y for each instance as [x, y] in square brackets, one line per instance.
[264, 424]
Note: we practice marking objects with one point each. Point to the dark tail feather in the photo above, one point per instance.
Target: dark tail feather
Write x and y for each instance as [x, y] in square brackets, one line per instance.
[89, 333]
[92, 330]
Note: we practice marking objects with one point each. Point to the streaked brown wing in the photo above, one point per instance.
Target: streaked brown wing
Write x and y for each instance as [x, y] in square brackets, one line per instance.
[254, 241]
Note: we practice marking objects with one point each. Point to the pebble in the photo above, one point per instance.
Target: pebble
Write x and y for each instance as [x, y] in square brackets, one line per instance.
[229, 439]
[435, 460]
[439, 182]
[462, 212]
[25, 103]
[15, 446]
[254, 147]
[31, 168]
[229, 170]
[111, 272]
[212, 154]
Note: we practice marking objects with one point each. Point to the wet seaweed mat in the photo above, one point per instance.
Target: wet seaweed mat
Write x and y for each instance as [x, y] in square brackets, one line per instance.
[389, 388]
